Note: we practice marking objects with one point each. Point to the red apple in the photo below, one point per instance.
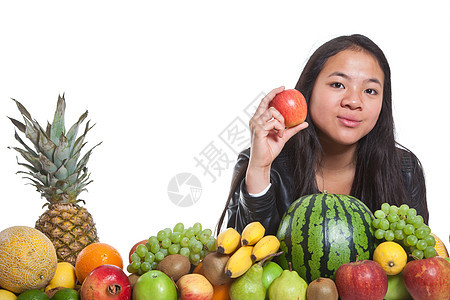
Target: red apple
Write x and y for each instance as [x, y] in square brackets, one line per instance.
[143, 242]
[292, 106]
[195, 287]
[363, 279]
[106, 282]
[428, 278]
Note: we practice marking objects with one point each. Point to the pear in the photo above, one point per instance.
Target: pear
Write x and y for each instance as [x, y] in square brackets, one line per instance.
[249, 285]
[289, 285]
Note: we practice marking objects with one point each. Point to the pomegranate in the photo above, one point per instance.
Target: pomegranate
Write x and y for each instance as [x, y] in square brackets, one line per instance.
[106, 282]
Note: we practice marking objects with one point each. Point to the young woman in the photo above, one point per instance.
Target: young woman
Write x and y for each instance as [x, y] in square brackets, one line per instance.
[346, 146]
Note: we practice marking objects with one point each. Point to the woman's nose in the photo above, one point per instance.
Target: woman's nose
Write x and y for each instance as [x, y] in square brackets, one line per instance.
[352, 100]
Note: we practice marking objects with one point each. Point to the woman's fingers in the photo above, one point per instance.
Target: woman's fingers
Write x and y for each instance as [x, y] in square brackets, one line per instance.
[270, 119]
[264, 104]
[274, 124]
[290, 132]
[271, 113]
[262, 129]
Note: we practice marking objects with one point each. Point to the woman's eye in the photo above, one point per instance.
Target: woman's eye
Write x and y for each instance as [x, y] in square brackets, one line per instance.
[371, 92]
[337, 85]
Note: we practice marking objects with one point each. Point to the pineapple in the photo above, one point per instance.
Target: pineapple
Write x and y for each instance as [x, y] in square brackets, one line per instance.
[60, 176]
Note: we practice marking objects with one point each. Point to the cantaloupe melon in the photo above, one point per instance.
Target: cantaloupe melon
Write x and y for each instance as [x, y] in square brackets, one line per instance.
[27, 259]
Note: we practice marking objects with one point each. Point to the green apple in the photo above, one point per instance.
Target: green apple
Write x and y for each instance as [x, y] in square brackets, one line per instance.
[271, 270]
[154, 285]
[447, 259]
[396, 288]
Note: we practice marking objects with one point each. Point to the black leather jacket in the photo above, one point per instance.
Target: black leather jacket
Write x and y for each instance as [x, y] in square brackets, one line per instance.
[270, 207]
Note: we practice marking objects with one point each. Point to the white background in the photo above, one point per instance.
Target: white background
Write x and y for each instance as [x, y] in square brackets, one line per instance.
[163, 80]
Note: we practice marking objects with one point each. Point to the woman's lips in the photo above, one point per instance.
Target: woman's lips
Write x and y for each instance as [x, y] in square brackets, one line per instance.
[349, 121]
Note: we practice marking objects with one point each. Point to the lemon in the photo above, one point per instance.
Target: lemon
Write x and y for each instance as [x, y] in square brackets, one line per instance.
[33, 295]
[7, 295]
[64, 277]
[391, 256]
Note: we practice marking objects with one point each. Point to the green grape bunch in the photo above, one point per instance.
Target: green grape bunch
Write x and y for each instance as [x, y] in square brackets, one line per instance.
[403, 225]
[193, 242]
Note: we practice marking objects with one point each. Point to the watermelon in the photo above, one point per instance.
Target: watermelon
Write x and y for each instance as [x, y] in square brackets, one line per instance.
[320, 232]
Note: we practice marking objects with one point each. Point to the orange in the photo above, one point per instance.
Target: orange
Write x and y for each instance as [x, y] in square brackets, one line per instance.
[440, 247]
[95, 255]
[222, 292]
[198, 268]
[391, 257]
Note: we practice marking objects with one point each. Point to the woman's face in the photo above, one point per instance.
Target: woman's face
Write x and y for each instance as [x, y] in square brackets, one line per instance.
[347, 97]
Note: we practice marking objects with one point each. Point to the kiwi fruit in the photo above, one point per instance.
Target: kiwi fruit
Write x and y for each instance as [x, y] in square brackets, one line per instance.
[50, 293]
[322, 289]
[133, 278]
[214, 268]
[175, 266]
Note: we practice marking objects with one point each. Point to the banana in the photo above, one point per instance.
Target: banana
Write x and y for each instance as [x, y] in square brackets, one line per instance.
[266, 246]
[228, 241]
[239, 262]
[252, 233]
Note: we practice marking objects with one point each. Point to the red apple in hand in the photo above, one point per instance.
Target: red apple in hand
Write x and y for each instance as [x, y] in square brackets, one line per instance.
[195, 287]
[106, 282]
[428, 278]
[363, 279]
[292, 106]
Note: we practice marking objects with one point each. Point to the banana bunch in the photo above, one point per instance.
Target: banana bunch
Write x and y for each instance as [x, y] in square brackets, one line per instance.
[254, 246]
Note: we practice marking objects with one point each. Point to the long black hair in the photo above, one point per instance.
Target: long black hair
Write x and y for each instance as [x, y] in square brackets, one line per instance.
[378, 177]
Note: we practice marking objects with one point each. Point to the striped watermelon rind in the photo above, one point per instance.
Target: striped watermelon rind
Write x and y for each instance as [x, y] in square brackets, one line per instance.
[320, 232]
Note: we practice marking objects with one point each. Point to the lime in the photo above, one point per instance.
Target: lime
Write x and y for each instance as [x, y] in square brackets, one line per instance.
[66, 294]
[33, 295]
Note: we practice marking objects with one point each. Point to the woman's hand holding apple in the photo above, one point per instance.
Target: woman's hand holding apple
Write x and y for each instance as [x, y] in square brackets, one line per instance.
[268, 137]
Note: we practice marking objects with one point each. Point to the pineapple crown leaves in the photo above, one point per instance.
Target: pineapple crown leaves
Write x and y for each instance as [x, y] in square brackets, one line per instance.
[54, 167]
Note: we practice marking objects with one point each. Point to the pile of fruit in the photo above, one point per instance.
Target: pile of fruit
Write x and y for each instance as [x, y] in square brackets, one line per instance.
[242, 266]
